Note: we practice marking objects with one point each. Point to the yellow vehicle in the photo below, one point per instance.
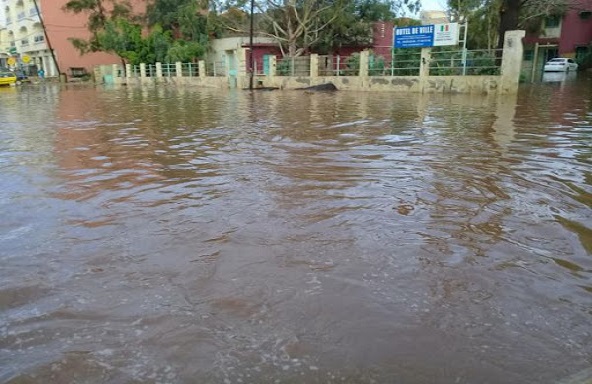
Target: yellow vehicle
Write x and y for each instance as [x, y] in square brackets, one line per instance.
[7, 78]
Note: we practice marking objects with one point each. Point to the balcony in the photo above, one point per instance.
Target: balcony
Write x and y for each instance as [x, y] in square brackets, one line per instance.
[20, 16]
[33, 12]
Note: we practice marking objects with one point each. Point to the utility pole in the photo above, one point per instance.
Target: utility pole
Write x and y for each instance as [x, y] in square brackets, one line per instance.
[251, 48]
[47, 38]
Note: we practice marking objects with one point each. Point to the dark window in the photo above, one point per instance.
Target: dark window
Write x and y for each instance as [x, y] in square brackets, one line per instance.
[78, 72]
[585, 14]
[581, 51]
[552, 22]
[528, 55]
[570, 61]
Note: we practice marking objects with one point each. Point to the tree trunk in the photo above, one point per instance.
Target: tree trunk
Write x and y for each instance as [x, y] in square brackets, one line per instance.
[509, 19]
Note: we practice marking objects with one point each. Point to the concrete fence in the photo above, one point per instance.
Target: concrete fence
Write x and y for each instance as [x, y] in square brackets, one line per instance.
[287, 74]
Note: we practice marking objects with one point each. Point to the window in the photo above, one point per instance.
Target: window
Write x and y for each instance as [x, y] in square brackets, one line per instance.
[528, 55]
[39, 38]
[581, 51]
[585, 14]
[552, 22]
[570, 61]
[78, 72]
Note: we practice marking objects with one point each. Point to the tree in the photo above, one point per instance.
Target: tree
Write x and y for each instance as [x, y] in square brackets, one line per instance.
[482, 17]
[301, 25]
[352, 24]
[490, 19]
[99, 13]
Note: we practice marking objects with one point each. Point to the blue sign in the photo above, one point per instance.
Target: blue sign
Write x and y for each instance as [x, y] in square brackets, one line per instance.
[414, 37]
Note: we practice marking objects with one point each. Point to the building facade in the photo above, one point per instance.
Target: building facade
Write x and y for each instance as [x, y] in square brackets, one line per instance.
[24, 38]
[569, 35]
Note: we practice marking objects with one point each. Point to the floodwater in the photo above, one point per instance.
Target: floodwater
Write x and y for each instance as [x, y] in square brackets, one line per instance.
[163, 235]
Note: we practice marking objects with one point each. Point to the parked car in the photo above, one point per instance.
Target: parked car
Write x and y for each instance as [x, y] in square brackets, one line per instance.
[7, 78]
[561, 64]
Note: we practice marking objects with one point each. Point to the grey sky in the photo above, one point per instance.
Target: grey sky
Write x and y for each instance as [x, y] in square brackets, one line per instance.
[430, 5]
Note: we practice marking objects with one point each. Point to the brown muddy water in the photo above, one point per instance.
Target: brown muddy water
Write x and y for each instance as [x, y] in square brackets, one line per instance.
[205, 236]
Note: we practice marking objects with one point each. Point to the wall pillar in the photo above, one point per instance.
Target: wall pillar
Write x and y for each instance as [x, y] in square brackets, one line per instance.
[115, 70]
[128, 70]
[179, 69]
[201, 65]
[364, 60]
[314, 65]
[272, 66]
[143, 70]
[242, 69]
[424, 68]
[512, 61]
[242, 62]
[158, 69]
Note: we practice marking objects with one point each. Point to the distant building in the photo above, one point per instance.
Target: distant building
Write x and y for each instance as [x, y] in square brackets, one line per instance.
[566, 36]
[22, 37]
[433, 17]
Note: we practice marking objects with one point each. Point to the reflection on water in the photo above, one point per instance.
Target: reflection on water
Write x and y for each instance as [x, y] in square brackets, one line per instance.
[188, 235]
[559, 77]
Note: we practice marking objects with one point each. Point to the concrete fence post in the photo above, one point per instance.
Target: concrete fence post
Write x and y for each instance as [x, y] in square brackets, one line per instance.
[364, 60]
[272, 66]
[512, 61]
[243, 64]
[424, 67]
[143, 70]
[201, 66]
[179, 69]
[128, 70]
[115, 71]
[158, 69]
[314, 65]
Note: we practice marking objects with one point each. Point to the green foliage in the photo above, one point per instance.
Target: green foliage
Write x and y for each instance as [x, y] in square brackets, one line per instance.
[406, 61]
[353, 65]
[99, 13]
[121, 37]
[448, 61]
[376, 65]
[585, 60]
[284, 67]
[183, 51]
[114, 29]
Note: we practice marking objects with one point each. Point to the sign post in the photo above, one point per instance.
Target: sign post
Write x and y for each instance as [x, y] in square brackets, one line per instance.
[426, 36]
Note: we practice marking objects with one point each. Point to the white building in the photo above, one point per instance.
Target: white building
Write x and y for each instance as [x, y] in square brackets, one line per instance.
[22, 38]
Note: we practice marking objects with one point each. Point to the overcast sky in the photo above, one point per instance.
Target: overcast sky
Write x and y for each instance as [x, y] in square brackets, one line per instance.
[430, 5]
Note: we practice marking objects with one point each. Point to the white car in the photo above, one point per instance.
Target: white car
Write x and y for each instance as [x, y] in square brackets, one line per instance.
[561, 64]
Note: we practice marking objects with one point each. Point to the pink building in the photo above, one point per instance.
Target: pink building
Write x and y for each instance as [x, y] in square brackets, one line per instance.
[567, 36]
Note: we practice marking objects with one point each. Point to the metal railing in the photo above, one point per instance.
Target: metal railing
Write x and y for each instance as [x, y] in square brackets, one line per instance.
[217, 68]
[335, 65]
[151, 70]
[469, 62]
[404, 62]
[190, 70]
[293, 66]
[169, 69]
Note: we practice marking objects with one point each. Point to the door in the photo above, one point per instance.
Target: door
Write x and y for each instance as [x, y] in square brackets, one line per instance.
[266, 64]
